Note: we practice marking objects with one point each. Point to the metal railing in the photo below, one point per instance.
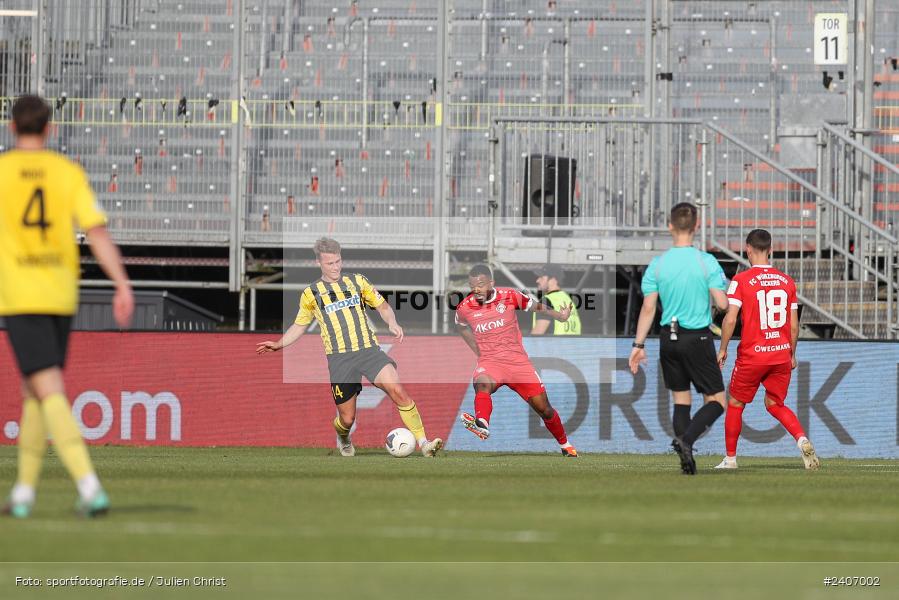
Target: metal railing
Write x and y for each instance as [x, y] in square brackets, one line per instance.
[480, 115]
[585, 178]
[842, 261]
[581, 173]
[136, 110]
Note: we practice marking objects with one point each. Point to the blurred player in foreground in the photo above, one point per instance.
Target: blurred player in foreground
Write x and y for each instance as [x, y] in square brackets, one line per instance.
[767, 351]
[337, 302]
[487, 322]
[45, 198]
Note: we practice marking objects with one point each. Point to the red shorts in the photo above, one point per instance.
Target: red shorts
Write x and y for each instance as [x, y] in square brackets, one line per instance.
[520, 376]
[746, 378]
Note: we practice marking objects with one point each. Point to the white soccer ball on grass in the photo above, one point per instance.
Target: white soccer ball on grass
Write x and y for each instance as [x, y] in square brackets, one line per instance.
[400, 442]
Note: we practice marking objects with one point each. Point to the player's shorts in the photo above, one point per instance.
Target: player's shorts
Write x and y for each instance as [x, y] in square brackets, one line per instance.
[521, 377]
[746, 378]
[690, 359]
[348, 368]
[38, 341]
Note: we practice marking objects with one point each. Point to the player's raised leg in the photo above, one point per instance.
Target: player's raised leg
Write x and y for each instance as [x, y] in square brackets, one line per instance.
[733, 425]
[346, 416]
[32, 447]
[552, 421]
[389, 381]
[60, 424]
[479, 423]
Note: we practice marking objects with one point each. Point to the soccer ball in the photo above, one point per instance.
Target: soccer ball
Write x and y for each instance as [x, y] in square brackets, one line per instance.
[400, 442]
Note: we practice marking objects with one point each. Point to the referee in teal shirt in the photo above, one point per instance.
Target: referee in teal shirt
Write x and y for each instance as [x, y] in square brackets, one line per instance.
[684, 280]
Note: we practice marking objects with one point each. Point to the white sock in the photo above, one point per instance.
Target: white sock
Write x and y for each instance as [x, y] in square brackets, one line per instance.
[88, 486]
[22, 494]
[800, 440]
[566, 445]
[422, 441]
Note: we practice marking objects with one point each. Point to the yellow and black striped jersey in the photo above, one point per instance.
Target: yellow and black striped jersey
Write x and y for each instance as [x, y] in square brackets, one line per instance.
[339, 308]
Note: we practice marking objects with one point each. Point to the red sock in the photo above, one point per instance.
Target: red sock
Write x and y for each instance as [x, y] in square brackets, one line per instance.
[733, 424]
[788, 419]
[483, 406]
[555, 427]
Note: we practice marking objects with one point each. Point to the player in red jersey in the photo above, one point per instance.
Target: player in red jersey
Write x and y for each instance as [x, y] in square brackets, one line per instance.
[767, 351]
[486, 319]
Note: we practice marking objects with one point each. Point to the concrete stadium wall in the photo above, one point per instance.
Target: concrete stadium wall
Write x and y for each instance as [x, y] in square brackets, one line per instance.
[212, 390]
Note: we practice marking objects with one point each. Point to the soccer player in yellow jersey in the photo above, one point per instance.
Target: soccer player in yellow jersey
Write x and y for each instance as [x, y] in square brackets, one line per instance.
[44, 197]
[337, 302]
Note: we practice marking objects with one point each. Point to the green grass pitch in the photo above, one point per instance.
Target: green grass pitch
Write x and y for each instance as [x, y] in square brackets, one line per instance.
[282, 518]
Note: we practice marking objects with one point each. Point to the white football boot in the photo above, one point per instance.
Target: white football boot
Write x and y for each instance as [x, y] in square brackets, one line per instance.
[345, 445]
[729, 462]
[430, 449]
[808, 454]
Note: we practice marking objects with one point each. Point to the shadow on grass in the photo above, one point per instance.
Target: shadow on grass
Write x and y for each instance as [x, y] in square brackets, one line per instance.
[136, 509]
[362, 453]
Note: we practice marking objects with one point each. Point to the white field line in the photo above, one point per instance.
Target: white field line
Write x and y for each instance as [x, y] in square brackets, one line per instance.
[608, 538]
[188, 529]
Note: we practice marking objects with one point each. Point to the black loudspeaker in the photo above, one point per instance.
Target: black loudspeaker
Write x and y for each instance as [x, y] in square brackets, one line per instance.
[549, 190]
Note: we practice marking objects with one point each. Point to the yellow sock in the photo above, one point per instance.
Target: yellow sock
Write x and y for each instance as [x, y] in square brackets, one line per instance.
[412, 420]
[340, 429]
[32, 443]
[66, 436]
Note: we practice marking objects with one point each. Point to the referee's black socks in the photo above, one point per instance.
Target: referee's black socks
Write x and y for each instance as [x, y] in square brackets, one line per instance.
[681, 419]
[704, 418]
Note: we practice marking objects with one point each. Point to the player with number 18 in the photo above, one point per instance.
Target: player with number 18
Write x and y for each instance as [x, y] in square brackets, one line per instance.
[766, 297]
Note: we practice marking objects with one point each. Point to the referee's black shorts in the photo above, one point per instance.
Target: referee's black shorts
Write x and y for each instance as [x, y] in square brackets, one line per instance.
[38, 341]
[348, 368]
[690, 359]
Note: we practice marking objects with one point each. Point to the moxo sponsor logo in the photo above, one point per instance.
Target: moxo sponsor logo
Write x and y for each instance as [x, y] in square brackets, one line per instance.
[129, 400]
[612, 369]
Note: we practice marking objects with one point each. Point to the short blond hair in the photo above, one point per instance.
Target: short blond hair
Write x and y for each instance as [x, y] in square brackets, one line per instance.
[326, 246]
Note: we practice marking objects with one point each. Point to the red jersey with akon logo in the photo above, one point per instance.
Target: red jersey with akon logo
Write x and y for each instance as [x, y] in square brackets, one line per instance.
[766, 297]
[495, 325]
[495, 328]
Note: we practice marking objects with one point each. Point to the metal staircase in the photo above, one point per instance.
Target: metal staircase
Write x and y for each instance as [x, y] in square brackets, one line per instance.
[843, 262]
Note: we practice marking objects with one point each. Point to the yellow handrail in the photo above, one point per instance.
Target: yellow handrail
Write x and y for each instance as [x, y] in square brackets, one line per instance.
[294, 114]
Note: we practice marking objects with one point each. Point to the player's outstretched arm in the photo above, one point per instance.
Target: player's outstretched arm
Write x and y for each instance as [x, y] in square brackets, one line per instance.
[727, 331]
[559, 315]
[290, 336]
[107, 254]
[389, 317]
[644, 323]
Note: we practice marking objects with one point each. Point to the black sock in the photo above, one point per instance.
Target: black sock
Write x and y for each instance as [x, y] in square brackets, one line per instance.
[681, 419]
[704, 418]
